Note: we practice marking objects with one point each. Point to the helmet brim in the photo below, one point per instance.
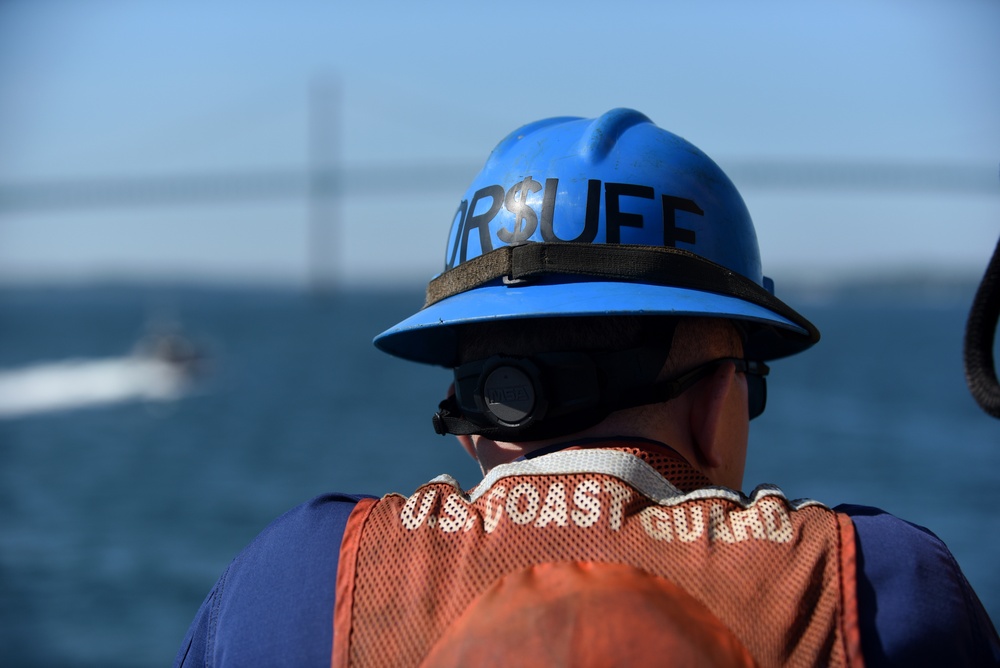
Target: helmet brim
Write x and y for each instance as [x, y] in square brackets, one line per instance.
[430, 335]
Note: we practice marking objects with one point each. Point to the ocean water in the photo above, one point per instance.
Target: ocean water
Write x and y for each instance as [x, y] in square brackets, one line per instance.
[125, 490]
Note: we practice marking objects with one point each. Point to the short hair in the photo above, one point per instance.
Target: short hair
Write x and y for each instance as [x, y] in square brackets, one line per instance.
[699, 340]
[690, 340]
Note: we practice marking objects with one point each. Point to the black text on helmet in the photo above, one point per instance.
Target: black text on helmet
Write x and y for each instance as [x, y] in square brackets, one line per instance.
[526, 221]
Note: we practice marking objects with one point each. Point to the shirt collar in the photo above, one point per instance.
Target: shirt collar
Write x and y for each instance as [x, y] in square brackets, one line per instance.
[667, 461]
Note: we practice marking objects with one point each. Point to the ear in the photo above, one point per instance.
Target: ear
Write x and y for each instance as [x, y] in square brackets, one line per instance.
[708, 414]
[468, 445]
[465, 441]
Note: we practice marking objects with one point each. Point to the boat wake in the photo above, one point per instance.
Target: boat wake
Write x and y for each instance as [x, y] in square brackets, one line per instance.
[149, 374]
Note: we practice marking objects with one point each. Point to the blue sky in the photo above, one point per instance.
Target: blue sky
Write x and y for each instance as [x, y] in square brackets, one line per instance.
[105, 90]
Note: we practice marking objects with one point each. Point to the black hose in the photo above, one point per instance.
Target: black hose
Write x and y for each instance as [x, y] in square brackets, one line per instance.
[980, 330]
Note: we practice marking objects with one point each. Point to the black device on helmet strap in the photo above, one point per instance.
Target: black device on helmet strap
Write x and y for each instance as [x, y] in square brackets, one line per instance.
[553, 394]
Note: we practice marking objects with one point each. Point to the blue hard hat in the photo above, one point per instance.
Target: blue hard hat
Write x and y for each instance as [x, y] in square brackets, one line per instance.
[599, 217]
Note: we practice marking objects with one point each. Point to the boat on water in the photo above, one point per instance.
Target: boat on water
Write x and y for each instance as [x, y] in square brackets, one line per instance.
[161, 367]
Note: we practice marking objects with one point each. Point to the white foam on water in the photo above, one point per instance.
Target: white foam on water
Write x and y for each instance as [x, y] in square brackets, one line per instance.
[80, 383]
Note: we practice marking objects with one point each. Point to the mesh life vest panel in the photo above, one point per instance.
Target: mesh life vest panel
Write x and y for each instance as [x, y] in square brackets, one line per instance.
[593, 557]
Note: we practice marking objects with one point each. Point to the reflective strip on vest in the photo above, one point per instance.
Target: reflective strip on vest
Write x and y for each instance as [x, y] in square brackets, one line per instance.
[767, 576]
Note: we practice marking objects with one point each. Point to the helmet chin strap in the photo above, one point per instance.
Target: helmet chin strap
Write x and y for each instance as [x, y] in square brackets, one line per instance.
[547, 395]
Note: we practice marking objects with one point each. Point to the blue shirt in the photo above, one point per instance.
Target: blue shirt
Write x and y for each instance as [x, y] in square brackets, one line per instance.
[273, 606]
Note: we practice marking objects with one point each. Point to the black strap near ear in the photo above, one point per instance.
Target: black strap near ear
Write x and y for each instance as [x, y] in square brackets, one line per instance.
[548, 394]
[519, 413]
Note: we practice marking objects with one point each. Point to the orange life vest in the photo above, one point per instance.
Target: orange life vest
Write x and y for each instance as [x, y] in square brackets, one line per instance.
[610, 556]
